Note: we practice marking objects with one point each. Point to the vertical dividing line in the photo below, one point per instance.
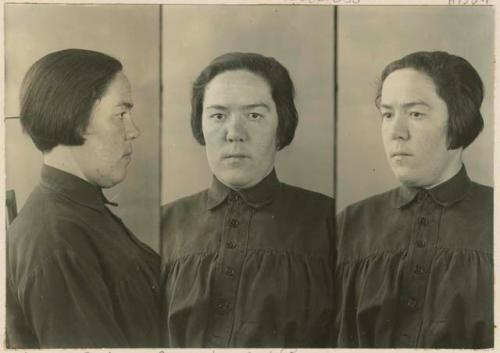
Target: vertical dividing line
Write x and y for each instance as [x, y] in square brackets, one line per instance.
[160, 164]
[161, 117]
[335, 99]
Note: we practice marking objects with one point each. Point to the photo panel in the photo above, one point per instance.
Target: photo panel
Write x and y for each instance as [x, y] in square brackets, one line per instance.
[82, 176]
[414, 184]
[247, 200]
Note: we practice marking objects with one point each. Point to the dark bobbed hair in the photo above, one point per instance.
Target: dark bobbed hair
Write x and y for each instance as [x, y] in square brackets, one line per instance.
[275, 74]
[58, 94]
[457, 83]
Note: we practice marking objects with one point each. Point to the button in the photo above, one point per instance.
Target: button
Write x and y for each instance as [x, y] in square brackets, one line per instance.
[234, 223]
[423, 221]
[421, 196]
[215, 340]
[412, 303]
[421, 243]
[230, 244]
[419, 270]
[223, 307]
[233, 197]
[229, 271]
[403, 338]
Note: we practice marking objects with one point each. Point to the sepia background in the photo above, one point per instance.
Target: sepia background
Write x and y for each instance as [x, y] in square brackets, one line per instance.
[194, 35]
[131, 34]
[370, 37]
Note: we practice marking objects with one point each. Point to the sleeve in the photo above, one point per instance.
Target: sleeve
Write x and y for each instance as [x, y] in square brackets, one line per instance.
[69, 305]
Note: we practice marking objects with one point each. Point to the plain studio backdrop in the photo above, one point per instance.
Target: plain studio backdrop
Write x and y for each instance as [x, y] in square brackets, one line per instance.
[131, 34]
[194, 35]
[370, 38]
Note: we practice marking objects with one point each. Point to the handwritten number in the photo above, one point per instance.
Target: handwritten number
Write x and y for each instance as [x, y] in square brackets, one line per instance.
[468, 2]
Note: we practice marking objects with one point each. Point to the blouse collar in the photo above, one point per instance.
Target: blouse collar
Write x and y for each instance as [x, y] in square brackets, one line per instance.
[444, 194]
[74, 188]
[256, 196]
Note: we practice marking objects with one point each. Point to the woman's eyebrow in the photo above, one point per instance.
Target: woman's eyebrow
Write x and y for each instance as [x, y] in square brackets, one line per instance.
[257, 105]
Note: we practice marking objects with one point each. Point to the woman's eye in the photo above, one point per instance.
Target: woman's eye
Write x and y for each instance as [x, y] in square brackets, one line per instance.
[386, 115]
[416, 114]
[255, 115]
[217, 116]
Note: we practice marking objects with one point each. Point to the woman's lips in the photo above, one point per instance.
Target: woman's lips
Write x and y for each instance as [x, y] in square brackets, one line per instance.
[235, 155]
[127, 155]
[400, 154]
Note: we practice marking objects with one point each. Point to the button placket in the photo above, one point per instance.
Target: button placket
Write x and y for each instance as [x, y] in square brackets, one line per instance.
[422, 254]
[417, 263]
[405, 328]
[231, 256]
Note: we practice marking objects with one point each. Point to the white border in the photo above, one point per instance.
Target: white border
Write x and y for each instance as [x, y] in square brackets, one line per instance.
[496, 157]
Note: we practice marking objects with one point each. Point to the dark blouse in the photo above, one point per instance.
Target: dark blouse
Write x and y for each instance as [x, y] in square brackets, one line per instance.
[252, 268]
[415, 268]
[77, 277]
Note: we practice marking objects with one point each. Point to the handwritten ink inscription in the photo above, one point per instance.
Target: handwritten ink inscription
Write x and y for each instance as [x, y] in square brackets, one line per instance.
[469, 2]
